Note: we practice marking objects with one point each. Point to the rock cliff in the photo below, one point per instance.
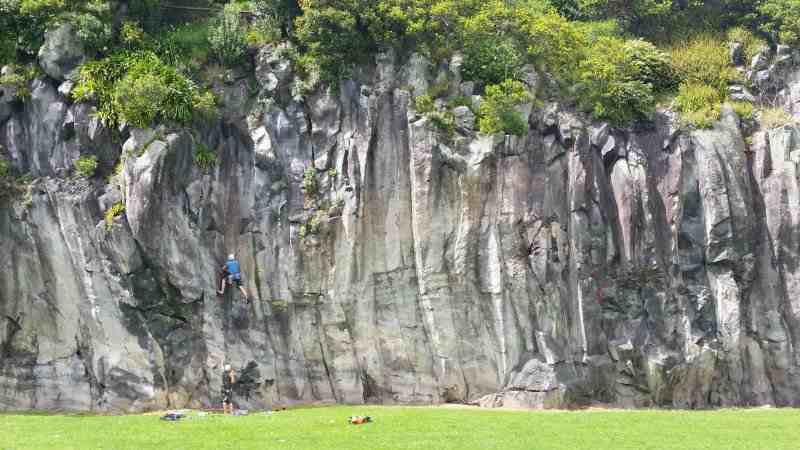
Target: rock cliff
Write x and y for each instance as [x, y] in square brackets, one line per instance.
[393, 262]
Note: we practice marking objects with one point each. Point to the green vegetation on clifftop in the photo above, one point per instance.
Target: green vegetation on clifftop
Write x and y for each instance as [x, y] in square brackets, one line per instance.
[607, 55]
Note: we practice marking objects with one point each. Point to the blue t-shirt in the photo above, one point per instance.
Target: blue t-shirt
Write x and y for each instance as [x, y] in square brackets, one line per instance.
[233, 267]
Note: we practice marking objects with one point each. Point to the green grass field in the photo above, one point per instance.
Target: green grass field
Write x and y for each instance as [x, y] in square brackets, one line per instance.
[413, 428]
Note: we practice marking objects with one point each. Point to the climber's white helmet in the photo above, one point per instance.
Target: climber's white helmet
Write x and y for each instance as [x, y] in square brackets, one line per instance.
[231, 257]
[227, 367]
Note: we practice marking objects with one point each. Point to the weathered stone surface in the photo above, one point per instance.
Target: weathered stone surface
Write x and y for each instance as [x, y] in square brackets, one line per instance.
[465, 118]
[573, 266]
[62, 52]
[741, 94]
[760, 60]
[273, 71]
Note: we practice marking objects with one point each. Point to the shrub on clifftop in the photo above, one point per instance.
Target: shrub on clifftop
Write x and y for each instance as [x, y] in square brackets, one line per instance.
[619, 79]
[704, 60]
[699, 104]
[499, 109]
[139, 89]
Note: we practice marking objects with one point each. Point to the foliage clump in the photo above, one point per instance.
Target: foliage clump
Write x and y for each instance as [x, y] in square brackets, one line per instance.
[86, 166]
[23, 23]
[699, 104]
[116, 210]
[620, 79]
[227, 37]
[703, 66]
[5, 168]
[752, 44]
[6, 186]
[138, 89]
[424, 104]
[310, 182]
[775, 117]
[19, 79]
[781, 18]
[498, 111]
[205, 158]
[594, 51]
[745, 110]
[184, 46]
[704, 60]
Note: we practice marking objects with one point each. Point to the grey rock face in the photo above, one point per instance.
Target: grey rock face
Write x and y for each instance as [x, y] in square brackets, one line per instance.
[393, 262]
[760, 61]
[273, 71]
[62, 52]
[7, 98]
[465, 118]
[741, 94]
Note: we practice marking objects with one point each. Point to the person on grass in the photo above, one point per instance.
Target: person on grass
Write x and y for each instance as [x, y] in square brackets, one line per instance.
[228, 380]
[232, 274]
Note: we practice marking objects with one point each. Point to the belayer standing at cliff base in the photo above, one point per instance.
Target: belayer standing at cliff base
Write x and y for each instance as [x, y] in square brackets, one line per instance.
[232, 274]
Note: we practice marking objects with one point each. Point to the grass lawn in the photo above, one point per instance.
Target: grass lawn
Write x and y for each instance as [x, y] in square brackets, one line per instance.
[431, 428]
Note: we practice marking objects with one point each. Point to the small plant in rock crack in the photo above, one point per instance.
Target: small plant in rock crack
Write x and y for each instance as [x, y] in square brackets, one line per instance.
[116, 210]
[86, 166]
[424, 104]
[316, 222]
[4, 168]
[444, 121]
[310, 182]
[279, 305]
[19, 79]
[313, 226]
[205, 158]
[6, 187]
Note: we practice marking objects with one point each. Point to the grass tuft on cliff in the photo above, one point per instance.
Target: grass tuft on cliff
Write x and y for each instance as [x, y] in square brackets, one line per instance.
[438, 428]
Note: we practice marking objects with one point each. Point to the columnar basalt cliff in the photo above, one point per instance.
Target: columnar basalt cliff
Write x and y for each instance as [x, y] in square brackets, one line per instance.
[393, 262]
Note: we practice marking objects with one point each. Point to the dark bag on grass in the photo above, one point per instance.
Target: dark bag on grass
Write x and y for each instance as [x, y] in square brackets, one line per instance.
[172, 416]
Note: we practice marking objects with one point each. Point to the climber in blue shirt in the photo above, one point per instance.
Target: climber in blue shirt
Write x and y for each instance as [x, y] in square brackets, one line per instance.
[232, 274]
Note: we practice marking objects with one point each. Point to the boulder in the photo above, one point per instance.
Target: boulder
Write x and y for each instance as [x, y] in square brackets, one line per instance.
[465, 118]
[62, 52]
